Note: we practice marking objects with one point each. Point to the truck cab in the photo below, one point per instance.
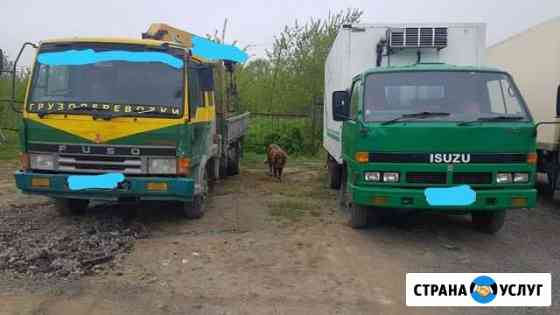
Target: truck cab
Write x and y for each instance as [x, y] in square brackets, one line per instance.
[431, 136]
[126, 119]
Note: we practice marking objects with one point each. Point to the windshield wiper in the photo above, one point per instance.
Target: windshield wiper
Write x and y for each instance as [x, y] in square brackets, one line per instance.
[108, 115]
[420, 115]
[489, 119]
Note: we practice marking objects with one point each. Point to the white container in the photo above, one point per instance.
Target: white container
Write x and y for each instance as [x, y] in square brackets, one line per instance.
[533, 59]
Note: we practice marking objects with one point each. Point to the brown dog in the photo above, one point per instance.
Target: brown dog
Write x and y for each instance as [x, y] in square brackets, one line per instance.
[276, 159]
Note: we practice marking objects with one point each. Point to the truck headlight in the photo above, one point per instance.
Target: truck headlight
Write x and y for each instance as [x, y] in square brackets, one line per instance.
[372, 176]
[41, 161]
[390, 177]
[162, 166]
[503, 178]
[520, 177]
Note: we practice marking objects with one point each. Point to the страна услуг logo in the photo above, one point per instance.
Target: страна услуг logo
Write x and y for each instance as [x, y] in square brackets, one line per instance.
[484, 289]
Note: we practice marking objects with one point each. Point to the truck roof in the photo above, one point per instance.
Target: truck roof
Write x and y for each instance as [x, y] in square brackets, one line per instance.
[118, 40]
[430, 67]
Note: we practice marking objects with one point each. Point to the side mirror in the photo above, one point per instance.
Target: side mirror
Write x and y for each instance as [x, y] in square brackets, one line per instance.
[558, 103]
[340, 105]
[206, 76]
[1, 61]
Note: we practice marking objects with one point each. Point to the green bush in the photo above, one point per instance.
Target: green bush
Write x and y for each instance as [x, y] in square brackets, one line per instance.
[292, 134]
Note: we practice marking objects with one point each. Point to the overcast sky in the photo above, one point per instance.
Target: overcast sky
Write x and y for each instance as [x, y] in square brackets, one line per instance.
[250, 22]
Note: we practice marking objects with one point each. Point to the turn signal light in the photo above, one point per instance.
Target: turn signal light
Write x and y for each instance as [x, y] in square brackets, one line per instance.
[380, 200]
[40, 182]
[24, 161]
[519, 202]
[156, 186]
[362, 157]
[183, 166]
[532, 158]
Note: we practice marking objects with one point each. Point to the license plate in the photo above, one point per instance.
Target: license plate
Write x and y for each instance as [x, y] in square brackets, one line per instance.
[450, 196]
[105, 181]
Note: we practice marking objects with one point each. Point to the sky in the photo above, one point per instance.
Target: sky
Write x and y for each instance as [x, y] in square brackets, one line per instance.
[249, 22]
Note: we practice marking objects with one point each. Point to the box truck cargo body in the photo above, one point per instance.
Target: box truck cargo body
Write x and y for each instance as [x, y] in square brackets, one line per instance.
[413, 119]
[355, 49]
[538, 79]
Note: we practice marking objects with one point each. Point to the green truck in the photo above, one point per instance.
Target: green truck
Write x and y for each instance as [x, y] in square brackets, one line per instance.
[130, 120]
[418, 123]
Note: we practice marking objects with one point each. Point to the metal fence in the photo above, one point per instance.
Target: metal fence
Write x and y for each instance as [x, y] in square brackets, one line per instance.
[295, 132]
[8, 123]
[299, 133]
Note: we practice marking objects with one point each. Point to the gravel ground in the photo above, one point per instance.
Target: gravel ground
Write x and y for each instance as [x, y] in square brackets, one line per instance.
[263, 247]
[36, 242]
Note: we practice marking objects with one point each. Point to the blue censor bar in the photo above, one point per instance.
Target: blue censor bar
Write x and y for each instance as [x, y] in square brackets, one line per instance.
[89, 56]
[213, 51]
[105, 181]
[452, 196]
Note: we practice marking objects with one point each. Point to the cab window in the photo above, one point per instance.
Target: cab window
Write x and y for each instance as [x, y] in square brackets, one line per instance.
[503, 98]
[196, 99]
[355, 98]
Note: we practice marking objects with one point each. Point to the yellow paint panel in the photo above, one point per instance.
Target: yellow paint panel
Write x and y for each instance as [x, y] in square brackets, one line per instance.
[101, 131]
[204, 114]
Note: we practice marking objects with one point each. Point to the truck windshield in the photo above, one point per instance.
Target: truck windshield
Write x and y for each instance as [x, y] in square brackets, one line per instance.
[464, 95]
[79, 78]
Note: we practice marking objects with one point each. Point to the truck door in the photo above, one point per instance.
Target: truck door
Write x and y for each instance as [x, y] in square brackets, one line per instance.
[350, 127]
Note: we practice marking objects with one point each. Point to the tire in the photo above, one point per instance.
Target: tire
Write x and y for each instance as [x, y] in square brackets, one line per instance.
[358, 216]
[343, 197]
[196, 208]
[66, 206]
[233, 160]
[552, 182]
[335, 174]
[489, 222]
[213, 173]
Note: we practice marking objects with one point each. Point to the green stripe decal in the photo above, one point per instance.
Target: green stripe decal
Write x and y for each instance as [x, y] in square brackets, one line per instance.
[333, 134]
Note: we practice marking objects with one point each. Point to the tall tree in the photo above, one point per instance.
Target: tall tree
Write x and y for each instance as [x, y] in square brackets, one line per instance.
[290, 77]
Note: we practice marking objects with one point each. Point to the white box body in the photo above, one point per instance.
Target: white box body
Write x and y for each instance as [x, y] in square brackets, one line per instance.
[533, 59]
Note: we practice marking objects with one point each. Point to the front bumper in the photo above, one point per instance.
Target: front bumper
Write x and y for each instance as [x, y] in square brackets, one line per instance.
[177, 188]
[414, 198]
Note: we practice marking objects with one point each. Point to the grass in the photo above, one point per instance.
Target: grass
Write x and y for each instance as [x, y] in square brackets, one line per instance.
[251, 158]
[9, 118]
[9, 150]
[291, 209]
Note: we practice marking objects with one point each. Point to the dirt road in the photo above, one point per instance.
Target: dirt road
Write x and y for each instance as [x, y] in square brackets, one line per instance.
[266, 247]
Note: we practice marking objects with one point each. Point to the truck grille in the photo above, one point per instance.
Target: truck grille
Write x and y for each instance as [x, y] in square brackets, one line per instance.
[426, 178]
[472, 178]
[99, 164]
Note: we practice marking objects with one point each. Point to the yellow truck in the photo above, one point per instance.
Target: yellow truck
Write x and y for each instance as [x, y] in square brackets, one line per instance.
[131, 119]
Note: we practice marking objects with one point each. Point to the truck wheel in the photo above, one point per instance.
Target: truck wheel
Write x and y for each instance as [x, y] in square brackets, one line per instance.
[343, 196]
[233, 160]
[358, 216]
[552, 182]
[195, 209]
[335, 173]
[489, 222]
[65, 206]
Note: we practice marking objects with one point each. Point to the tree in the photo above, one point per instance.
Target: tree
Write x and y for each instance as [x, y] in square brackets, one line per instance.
[290, 77]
